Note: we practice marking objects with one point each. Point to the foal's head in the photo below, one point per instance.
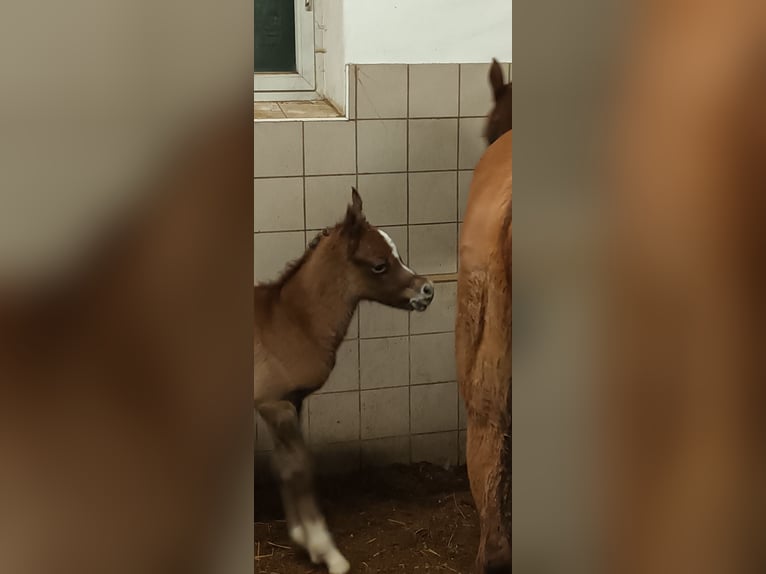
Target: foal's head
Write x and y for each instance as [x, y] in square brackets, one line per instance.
[373, 266]
[500, 118]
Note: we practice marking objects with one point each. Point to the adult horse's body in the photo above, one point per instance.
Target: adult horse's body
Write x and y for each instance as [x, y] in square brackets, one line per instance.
[483, 341]
[300, 320]
[483, 334]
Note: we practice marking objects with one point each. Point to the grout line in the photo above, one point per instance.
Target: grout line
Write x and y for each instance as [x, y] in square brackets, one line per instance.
[417, 118]
[409, 248]
[358, 311]
[303, 177]
[321, 393]
[307, 406]
[457, 230]
[393, 171]
[309, 230]
[402, 336]
[457, 194]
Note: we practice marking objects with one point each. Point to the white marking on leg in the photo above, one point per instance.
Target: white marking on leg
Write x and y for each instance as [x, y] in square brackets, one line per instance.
[394, 250]
[321, 548]
[297, 535]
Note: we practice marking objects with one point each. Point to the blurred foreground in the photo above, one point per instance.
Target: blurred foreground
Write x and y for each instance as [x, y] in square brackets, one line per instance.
[639, 190]
[125, 298]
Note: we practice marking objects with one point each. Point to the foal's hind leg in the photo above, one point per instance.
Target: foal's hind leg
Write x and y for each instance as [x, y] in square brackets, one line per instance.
[292, 463]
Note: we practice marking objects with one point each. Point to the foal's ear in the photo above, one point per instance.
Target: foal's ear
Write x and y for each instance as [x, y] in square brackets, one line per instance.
[356, 200]
[354, 220]
[496, 79]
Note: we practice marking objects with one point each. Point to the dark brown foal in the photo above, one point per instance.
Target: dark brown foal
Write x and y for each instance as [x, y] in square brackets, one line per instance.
[300, 321]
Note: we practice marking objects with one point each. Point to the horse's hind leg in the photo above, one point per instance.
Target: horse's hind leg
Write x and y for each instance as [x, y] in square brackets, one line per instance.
[292, 463]
[484, 360]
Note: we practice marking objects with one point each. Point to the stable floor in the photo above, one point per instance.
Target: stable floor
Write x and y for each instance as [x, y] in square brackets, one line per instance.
[400, 519]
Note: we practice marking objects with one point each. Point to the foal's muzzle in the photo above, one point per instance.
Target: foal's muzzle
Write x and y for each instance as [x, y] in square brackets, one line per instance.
[424, 297]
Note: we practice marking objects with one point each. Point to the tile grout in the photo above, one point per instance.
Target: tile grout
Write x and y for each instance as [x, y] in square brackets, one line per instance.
[457, 209]
[313, 229]
[391, 172]
[409, 247]
[358, 325]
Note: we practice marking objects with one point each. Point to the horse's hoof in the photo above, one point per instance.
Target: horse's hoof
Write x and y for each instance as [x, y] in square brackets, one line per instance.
[499, 561]
[337, 564]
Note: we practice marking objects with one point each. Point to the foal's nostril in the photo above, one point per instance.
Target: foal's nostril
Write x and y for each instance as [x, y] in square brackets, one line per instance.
[428, 290]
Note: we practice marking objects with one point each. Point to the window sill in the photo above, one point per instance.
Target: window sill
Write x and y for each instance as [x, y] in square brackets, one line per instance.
[296, 110]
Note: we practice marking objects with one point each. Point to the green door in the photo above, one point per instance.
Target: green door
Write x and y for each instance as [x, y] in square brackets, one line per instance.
[275, 36]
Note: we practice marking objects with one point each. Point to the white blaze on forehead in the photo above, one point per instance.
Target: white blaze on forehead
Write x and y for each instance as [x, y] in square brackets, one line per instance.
[394, 250]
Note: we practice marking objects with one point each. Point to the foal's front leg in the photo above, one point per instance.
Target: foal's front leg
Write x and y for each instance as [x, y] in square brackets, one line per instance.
[292, 463]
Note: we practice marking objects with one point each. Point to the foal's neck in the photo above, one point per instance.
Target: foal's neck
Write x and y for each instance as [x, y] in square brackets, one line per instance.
[322, 295]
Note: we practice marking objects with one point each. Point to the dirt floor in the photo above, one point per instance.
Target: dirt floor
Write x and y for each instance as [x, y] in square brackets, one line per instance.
[403, 519]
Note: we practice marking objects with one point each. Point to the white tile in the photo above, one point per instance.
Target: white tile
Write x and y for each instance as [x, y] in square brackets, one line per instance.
[273, 251]
[433, 144]
[327, 198]
[432, 358]
[434, 407]
[384, 362]
[440, 315]
[376, 320]
[277, 149]
[433, 90]
[278, 204]
[330, 147]
[433, 197]
[385, 412]
[433, 248]
[334, 417]
[381, 91]
[385, 198]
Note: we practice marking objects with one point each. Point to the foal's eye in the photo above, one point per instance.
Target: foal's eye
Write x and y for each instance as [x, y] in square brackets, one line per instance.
[378, 269]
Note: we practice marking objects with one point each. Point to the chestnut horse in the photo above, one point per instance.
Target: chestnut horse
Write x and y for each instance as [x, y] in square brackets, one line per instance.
[300, 321]
[483, 333]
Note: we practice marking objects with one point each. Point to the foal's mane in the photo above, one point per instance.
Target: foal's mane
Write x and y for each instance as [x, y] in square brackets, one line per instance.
[294, 266]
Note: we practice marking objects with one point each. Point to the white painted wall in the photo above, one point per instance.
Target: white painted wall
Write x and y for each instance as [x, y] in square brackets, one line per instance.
[331, 62]
[426, 31]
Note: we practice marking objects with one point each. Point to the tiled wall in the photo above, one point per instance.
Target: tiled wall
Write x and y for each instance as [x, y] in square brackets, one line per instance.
[413, 138]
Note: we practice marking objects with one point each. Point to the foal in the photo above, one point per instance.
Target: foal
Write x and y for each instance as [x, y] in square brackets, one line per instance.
[300, 320]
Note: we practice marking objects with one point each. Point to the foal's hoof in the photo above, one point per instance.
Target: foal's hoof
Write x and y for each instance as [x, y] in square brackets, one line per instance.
[337, 564]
